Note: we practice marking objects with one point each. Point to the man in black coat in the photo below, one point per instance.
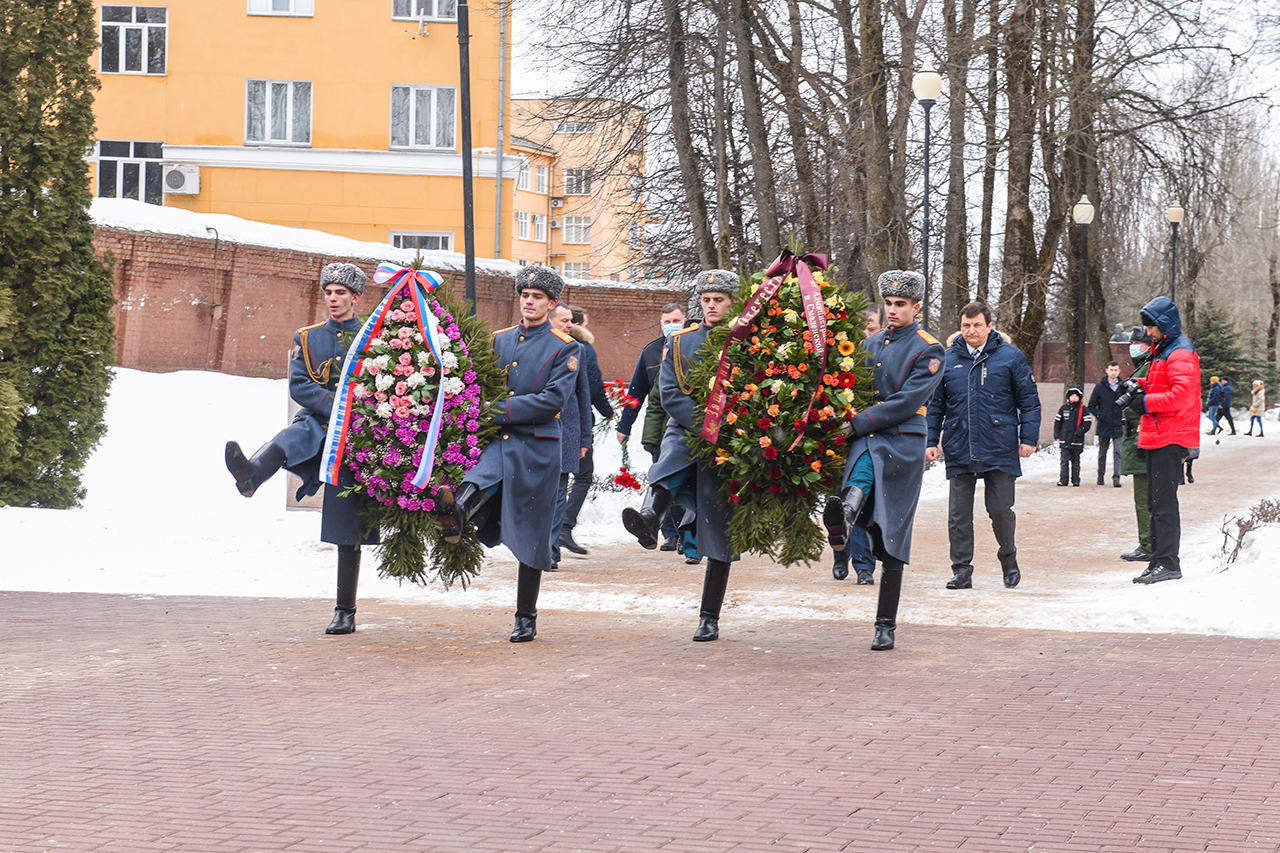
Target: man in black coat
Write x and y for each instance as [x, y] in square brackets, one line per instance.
[583, 479]
[1110, 430]
[318, 353]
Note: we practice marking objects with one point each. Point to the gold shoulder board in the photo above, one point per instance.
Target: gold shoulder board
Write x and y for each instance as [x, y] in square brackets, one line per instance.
[564, 336]
[928, 338]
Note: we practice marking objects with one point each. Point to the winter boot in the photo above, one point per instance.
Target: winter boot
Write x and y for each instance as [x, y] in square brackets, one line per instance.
[528, 581]
[567, 541]
[644, 522]
[713, 588]
[840, 513]
[455, 510]
[887, 608]
[840, 569]
[252, 473]
[344, 615]
[961, 578]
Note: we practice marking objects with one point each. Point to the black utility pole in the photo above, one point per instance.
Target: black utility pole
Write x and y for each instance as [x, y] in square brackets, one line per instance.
[468, 192]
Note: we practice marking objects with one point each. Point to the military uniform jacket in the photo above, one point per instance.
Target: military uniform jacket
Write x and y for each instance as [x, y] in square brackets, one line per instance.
[541, 364]
[907, 365]
[700, 495]
[318, 353]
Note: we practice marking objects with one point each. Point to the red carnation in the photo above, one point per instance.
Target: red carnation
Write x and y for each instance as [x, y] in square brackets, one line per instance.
[800, 423]
[735, 499]
[771, 453]
[775, 488]
[764, 423]
[839, 440]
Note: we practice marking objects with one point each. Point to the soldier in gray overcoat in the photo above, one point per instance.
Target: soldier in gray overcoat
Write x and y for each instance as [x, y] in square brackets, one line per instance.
[676, 482]
[511, 491]
[885, 465]
[314, 368]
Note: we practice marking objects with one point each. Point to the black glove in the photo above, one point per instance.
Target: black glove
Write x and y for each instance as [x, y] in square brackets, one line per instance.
[1138, 403]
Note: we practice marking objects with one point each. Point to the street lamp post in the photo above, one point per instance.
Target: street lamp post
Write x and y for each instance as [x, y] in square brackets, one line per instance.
[1082, 213]
[1175, 214]
[926, 84]
[468, 193]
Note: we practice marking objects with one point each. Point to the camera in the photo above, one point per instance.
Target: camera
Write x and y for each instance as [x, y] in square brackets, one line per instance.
[1130, 390]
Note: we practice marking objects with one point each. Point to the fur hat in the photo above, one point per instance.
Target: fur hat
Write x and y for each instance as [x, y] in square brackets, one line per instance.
[349, 276]
[1074, 389]
[716, 281]
[540, 278]
[906, 284]
[1138, 335]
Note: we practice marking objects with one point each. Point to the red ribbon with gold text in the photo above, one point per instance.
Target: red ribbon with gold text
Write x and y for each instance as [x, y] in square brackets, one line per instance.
[815, 313]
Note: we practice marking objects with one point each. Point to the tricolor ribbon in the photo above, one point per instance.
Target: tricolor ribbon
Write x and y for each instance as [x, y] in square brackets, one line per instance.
[414, 284]
[815, 313]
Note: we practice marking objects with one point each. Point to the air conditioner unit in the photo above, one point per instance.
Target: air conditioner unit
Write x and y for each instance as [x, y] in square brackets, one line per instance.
[182, 180]
[555, 223]
[557, 202]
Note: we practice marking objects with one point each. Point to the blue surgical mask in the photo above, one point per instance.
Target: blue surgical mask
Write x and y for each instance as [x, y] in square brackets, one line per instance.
[1136, 350]
[671, 327]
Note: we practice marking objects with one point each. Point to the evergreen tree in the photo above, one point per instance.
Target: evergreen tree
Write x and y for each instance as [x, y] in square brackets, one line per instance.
[57, 348]
[1218, 343]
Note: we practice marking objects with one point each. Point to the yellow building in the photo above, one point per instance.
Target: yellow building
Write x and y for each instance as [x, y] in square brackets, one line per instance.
[338, 115]
[583, 178]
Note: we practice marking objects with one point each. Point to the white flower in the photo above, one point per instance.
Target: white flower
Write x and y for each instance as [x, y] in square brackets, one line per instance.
[785, 349]
[384, 410]
[413, 380]
[417, 337]
[362, 392]
[423, 357]
[378, 345]
[449, 360]
[383, 362]
[383, 381]
[452, 385]
[370, 365]
[419, 411]
[846, 364]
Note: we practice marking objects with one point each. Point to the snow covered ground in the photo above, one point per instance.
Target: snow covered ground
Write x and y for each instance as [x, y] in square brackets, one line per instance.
[162, 518]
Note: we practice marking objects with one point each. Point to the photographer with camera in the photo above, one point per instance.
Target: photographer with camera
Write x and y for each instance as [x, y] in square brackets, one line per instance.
[1169, 426]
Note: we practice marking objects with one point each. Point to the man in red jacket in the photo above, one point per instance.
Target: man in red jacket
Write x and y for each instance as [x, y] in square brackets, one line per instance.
[1169, 427]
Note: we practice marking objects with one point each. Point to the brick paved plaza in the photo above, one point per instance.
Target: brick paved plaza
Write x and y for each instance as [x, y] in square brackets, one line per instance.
[218, 724]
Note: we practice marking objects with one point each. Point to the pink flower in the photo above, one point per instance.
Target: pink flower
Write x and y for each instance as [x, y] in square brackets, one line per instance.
[406, 306]
[428, 370]
[405, 333]
[370, 368]
[405, 358]
[402, 388]
[395, 316]
[394, 343]
[402, 412]
[380, 397]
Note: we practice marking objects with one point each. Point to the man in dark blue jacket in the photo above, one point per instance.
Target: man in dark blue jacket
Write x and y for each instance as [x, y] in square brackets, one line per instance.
[1110, 431]
[987, 411]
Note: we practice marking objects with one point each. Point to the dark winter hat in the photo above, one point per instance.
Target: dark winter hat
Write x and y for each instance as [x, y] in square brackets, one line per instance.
[1076, 391]
[716, 281]
[902, 283]
[349, 276]
[1138, 335]
[540, 278]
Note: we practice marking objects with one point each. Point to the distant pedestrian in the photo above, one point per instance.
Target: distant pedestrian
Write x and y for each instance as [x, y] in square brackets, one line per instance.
[1225, 410]
[1110, 431]
[1070, 426]
[1213, 402]
[586, 465]
[1132, 464]
[575, 435]
[1257, 406]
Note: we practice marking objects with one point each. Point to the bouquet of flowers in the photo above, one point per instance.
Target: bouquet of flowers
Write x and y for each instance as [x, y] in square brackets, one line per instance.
[780, 382]
[616, 391]
[408, 420]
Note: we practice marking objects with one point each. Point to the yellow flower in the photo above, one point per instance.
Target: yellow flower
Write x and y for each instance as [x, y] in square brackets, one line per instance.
[847, 347]
[846, 364]
[842, 336]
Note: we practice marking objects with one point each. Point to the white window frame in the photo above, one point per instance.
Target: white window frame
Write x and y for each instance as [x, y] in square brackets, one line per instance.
[540, 227]
[577, 230]
[148, 166]
[576, 270]
[294, 90]
[443, 137]
[397, 239]
[291, 8]
[523, 182]
[424, 10]
[522, 224]
[575, 127]
[540, 179]
[119, 35]
[577, 181]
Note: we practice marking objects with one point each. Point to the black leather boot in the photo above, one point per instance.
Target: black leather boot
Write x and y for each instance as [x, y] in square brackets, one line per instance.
[887, 609]
[252, 473]
[644, 522]
[528, 582]
[840, 514]
[961, 578]
[344, 615]
[713, 588]
[455, 510]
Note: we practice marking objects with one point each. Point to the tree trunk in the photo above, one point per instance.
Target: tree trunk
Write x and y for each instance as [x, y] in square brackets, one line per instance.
[991, 151]
[887, 243]
[1080, 173]
[682, 133]
[789, 82]
[763, 187]
[955, 239]
[1019, 265]
[724, 249]
[1273, 328]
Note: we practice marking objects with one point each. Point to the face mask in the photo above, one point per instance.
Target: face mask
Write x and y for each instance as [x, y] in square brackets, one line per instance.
[671, 327]
[1136, 350]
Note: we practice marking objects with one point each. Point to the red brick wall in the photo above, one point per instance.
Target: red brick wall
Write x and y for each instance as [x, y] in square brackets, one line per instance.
[191, 303]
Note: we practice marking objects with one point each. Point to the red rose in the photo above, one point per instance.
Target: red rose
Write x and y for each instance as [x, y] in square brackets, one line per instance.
[800, 423]
[771, 453]
[839, 440]
[735, 499]
[764, 423]
[775, 488]
[802, 492]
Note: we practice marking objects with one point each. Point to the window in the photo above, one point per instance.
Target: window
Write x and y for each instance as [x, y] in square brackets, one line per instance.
[635, 235]
[301, 8]
[540, 227]
[575, 127]
[633, 274]
[637, 188]
[576, 269]
[540, 175]
[277, 112]
[430, 9]
[134, 39]
[523, 181]
[577, 229]
[577, 182]
[522, 224]
[429, 241]
[422, 116]
[131, 170]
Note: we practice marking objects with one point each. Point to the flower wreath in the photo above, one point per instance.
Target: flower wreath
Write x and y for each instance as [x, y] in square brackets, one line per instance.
[408, 420]
[778, 405]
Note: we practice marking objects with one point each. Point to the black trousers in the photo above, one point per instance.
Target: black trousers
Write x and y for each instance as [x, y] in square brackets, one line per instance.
[999, 500]
[581, 488]
[1164, 475]
[1114, 442]
[1070, 465]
